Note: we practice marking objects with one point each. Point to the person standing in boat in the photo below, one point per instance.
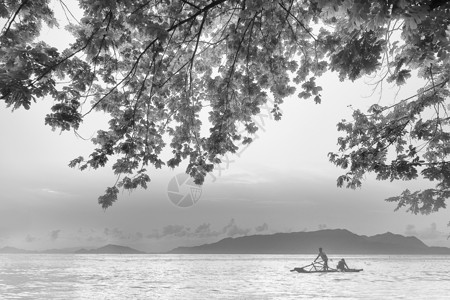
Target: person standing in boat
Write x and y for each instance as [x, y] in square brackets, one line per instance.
[324, 258]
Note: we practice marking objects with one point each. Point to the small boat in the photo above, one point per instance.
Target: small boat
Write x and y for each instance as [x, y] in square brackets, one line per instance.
[302, 270]
[318, 267]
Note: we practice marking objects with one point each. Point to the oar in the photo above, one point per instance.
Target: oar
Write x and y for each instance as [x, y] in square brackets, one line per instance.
[295, 269]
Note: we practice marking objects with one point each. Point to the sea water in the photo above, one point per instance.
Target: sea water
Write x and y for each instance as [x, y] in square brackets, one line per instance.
[67, 276]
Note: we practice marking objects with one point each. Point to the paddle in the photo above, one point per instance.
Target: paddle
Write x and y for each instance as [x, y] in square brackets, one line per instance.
[314, 264]
[295, 269]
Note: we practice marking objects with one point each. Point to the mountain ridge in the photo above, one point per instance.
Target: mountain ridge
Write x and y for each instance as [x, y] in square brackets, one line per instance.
[110, 249]
[333, 241]
[107, 249]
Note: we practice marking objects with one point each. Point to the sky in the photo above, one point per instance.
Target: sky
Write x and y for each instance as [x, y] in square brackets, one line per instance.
[282, 182]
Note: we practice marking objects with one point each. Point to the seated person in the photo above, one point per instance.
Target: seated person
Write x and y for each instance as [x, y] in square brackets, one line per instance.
[342, 265]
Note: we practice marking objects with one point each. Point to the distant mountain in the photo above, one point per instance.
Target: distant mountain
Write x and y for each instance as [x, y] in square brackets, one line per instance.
[12, 250]
[333, 241]
[110, 249]
[61, 251]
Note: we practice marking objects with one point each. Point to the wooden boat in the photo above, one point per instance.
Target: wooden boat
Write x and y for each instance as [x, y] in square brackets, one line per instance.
[302, 270]
[318, 267]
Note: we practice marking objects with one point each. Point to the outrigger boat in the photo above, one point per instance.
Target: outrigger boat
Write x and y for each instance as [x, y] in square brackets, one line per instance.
[317, 267]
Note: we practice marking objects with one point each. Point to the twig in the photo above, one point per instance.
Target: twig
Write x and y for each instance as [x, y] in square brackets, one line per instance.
[14, 16]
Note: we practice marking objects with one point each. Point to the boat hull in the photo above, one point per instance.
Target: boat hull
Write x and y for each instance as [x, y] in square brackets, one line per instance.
[301, 270]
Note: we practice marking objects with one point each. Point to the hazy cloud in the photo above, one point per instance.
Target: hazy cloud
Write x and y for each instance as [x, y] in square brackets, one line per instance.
[96, 239]
[176, 230]
[92, 235]
[29, 238]
[50, 191]
[54, 234]
[170, 230]
[115, 234]
[241, 178]
[261, 228]
[153, 235]
[322, 226]
[410, 230]
[53, 192]
[233, 230]
[204, 230]
[118, 235]
[428, 233]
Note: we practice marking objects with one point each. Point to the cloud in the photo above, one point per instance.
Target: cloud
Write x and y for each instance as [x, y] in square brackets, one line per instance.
[48, 191]
[411, 230]
[153, 235]
[96, 239]
[29, 238]
[91, 235]
[429, 233]
[261, 228]
[241, 178]
[204, 230]
[117, 234]
[432, 232]
[176, 230]
[170, 230]
[233, 230]
[54, 235]
[322, 226]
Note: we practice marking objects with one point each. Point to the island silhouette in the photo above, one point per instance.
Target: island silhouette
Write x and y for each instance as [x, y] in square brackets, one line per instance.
[335, 241]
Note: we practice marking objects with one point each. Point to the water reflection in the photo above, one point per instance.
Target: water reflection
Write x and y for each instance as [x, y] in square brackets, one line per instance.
[218, 277]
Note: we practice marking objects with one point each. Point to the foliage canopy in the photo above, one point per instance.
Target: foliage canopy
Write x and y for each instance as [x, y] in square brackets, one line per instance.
[155, 65]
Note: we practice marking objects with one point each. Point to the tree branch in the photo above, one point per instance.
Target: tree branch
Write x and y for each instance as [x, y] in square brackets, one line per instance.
[199, 33]
[191, 4]
[14, 16]
[298, 21]
[204, 9]
[441, 84]
[173, 27]
[64, 7]
[133, 68]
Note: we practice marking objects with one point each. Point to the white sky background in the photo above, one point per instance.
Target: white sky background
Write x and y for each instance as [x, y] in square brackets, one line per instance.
[282, 182]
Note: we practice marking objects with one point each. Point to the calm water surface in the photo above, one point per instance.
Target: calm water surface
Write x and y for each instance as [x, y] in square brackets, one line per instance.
[42, 276]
